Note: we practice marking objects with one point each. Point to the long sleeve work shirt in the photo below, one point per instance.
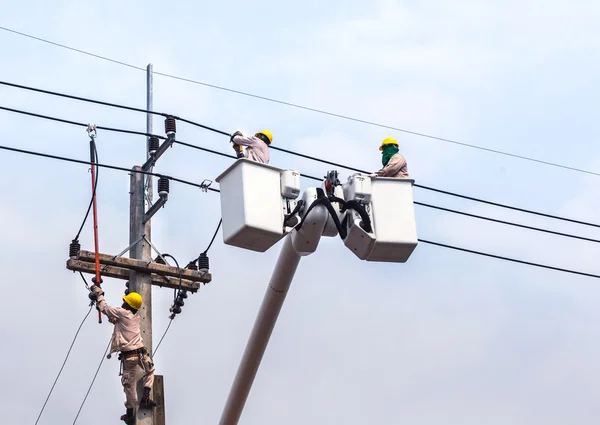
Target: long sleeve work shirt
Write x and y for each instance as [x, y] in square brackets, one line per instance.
[396, 167]
[256, 149]
[126, 335]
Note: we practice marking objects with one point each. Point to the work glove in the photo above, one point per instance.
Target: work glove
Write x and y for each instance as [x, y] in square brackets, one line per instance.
[95, 292]
[237, 133]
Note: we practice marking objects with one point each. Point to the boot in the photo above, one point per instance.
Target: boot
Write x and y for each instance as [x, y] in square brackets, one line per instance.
[129, 417]
[146, 402]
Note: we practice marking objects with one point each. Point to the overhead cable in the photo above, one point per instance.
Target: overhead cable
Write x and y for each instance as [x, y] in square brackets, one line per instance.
[508, 223]
[82, 99]
[499, 257]
[217, 190]
[306, 108]
[92, 383]
[63, 364]
[112, 167]
[313, 158]
[80, 124]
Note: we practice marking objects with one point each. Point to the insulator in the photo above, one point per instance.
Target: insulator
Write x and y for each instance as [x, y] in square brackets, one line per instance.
[127, 291]
[127, 284]
[176, 309]
[94, 280]
[153, 144]
[163, 186]
[159, 260]
[170, 125]
[74, 248]
[179, 302]
[182, 294]
[192, 266]
[203, 262]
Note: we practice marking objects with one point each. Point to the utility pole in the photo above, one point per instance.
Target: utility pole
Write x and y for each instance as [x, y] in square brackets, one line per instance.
[140, 269]
[140, 282]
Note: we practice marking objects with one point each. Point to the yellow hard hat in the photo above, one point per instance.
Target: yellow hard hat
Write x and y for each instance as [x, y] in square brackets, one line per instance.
[266, 133]
[388, 141]
[134, 300]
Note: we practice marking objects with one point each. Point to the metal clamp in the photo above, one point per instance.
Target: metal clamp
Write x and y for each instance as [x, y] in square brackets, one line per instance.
[204, 186]
[91, 131]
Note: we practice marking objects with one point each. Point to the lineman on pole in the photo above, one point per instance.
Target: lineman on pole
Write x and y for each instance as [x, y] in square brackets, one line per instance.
[257, 146]
[394, 164]
[127, 339]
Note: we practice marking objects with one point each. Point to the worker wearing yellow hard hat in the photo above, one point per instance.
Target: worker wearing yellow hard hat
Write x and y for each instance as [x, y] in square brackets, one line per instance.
[394, 164]
[257, 146]
[127, 340]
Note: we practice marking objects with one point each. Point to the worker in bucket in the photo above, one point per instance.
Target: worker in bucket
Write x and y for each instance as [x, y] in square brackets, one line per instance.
[127, 339]
[394, 164]
[257, 146]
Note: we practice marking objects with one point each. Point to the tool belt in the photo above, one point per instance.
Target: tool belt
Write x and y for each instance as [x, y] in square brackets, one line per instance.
[132, 353]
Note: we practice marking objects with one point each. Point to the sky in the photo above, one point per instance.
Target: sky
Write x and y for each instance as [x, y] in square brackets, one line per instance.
[446, 337]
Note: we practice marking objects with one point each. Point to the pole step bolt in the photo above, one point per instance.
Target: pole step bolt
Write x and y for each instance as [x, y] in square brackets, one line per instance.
[170, 125]
[163, 186]
[153, 144]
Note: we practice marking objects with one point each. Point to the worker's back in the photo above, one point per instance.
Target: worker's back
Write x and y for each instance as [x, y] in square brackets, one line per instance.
[258, 151]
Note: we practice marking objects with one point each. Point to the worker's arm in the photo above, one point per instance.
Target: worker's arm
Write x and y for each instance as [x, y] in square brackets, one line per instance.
[113, 313]
[393, 166]
[245, 140]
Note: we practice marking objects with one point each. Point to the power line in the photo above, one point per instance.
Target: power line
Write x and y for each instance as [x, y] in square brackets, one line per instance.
[80, 124]
[312, 158]
[214, 236]
[63, 364]
[310, 109]
[112, 167]
[92, 383]
[335, 164]
[509, 259]
[93, 146]
[163, 337]
[82, 99]
[508, 223]
[218, 191]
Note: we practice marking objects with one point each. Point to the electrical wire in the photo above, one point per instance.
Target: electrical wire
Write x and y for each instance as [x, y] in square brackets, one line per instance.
[80, 124]
[318, 179]
[111, 167]
[508, 223]
[63, 364]
[214, 236]
[313, 158]
[92, 383]
[499, 257]
[310, 109]
[217, 191]
[163, 337]
[93, 195]
[83, 99]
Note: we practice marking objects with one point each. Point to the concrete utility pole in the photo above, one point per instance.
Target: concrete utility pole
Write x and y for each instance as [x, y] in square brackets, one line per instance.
[140, 282]
[139, 269]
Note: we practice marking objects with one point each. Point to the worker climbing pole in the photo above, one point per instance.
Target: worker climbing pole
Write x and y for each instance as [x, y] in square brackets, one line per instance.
[93, 164]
